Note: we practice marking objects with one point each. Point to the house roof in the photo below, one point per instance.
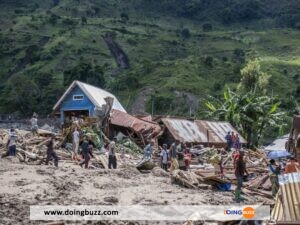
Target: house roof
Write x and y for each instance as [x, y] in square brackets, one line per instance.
[122, 119]
[95, 94]
[199, 131]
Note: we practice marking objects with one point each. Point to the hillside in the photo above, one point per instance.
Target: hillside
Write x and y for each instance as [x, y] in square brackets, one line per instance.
[163, 57]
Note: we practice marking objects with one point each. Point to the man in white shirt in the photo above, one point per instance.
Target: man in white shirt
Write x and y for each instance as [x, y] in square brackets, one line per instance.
[76, 139]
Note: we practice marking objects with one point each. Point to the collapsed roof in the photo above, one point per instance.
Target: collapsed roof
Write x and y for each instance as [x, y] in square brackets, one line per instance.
[199, 131]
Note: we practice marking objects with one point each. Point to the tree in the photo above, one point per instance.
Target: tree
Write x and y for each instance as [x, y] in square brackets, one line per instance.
[207, 27]
[124, 17]
[249, 109]
[85, 72]
[250, 113]
[83, 20]
[253, 79]
[185, 33]
[20, 95]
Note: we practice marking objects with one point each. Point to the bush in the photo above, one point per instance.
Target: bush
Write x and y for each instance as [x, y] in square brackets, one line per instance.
[124, 16]
[239, 55]
[207, 27]
[83, 20]
[185, 33]
[18, 11]
[69, 22]
[208, 60]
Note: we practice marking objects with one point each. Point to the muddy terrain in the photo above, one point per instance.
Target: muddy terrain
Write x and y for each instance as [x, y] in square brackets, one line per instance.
[24, 185]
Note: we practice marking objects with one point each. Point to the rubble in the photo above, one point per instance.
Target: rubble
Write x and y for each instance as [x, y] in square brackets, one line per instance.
[32, 150]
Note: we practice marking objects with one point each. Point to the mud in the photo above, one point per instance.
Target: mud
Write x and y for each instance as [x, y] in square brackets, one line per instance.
[24, 185]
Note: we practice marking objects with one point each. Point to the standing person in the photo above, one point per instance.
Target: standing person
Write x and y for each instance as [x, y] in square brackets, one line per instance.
[292, 166]
[112, 159]
[229, 141]
[237, 144]
[11, 143]
[240, 171]
[50, 152]
[148, 150]
[76, 139]
[232, 139]
[274, 172]
[164, 157]
[34, 124]
[173, 156]
[187, 157]
[85, 146]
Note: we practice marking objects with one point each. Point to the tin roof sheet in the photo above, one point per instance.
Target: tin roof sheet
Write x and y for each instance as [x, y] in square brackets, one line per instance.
[199, 131]
[122, 119]
[287, 206]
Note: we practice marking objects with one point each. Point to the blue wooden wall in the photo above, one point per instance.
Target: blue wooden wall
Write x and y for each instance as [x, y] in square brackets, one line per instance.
[69, 104]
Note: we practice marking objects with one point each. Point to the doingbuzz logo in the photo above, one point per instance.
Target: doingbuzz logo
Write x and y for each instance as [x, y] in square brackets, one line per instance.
[247, 212]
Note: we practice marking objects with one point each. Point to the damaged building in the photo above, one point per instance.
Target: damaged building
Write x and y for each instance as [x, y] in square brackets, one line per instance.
[207, 133]
[85, 100]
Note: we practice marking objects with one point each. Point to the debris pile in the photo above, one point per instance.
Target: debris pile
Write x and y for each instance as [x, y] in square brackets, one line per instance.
[32, 149]
[204, 173]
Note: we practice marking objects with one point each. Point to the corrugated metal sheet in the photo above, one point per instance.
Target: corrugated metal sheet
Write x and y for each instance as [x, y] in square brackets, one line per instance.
[218, 130]
[287, 205]
[199, 131]
[95, 94]
[185, 130]
[122, 119]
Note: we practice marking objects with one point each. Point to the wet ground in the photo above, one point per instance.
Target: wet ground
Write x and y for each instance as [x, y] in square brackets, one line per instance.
[24, 185]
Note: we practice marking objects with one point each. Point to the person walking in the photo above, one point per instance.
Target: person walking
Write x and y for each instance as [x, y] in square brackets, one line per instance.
[164, 157]
[85, 146]
[76, 139]
[274, 172]
[51, 153]
[240, 171]
[112, 159]
[11, 143]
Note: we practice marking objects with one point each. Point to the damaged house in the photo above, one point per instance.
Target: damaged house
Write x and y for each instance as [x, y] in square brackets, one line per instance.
[85, 100]
[207, 133]
[139, 130]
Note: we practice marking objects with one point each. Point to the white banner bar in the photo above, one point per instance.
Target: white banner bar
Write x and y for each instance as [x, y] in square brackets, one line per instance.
[151, 213]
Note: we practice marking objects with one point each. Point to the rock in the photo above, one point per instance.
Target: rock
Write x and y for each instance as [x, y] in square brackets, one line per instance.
[111, 199]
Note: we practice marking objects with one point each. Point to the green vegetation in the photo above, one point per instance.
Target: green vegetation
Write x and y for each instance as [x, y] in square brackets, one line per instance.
[182, 50]
[249, 109]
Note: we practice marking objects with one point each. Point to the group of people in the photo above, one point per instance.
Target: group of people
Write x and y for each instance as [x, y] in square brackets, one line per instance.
[233, 141]
[87, 145]
[177, 156]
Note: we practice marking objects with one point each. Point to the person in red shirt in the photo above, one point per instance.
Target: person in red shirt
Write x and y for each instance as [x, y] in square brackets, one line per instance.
[187, 157]
[292, 166]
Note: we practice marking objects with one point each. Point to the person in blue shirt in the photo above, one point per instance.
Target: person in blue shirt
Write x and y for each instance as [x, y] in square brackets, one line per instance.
[274, 172]
[228, 139]
[164, 157]
[148, 150]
